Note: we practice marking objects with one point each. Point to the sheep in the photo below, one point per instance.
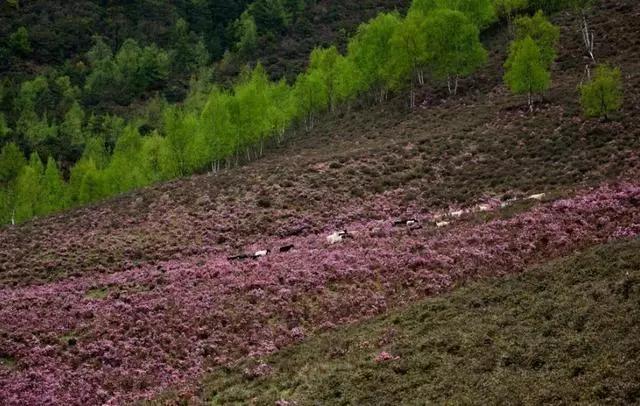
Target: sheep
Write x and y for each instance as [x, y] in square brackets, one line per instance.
[260, 254]
[287, 248]
[441, 224]
[338, 236]
[411, 223]
[539, 196]
[484, 207]
[456, 213]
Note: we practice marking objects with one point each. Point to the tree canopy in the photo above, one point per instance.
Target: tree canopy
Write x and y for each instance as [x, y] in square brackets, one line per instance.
[526, 69]
[602, 95]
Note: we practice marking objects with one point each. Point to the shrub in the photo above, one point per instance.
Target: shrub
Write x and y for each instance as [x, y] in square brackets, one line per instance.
[602, 95]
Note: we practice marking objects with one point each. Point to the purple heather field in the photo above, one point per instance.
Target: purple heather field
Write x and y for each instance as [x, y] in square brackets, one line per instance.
[128, 335]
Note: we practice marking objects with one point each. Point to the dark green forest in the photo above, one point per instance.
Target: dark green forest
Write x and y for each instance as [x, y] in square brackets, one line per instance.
[99, 98]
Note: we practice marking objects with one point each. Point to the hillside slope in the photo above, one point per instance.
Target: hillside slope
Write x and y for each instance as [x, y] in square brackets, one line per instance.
[449, 152]
[561, 334]
[97, 297]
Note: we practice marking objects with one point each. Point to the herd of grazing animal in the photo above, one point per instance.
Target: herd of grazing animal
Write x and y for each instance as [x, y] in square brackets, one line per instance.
[410, 224]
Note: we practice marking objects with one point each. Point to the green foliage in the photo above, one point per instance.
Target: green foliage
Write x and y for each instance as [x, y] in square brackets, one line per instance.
[480, 12]
[216, 130]
[603, 95]
[124, 172]
[12, 161]
[95, 151]
[246, 33]
[370, 50]
[507, 8]
[453, 43]
[32, 94]
[545, 34]
[53, 193]
[5, 130]
[35, 129]
[132, 71]
[325, 62]
[57, 114]
[552, 6]
[29, 190]
[527, 72]
[409, 51]
[72, 126]
[310, 92]
[180, 128]
[84, 185]
[154, 151]
[270, 16]
[189, 52]
[19, 42]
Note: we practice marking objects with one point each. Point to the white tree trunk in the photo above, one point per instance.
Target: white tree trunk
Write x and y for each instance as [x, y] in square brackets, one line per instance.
[588, 38]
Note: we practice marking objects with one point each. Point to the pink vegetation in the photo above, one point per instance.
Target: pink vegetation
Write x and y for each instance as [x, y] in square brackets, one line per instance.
[114, 338]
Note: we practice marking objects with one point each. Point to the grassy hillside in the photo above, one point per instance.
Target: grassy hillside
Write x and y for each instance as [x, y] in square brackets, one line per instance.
[563, 333]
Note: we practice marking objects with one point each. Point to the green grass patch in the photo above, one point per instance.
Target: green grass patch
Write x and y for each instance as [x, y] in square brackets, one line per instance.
[97, 293]
[7, 362]
[566, 332]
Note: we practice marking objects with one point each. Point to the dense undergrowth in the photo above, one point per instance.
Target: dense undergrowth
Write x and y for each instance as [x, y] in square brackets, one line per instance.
[563, 333]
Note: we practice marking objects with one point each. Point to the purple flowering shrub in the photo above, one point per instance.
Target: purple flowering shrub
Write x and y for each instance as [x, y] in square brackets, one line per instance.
[119, 336]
